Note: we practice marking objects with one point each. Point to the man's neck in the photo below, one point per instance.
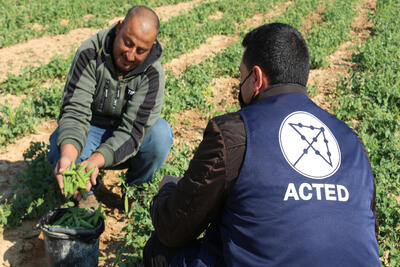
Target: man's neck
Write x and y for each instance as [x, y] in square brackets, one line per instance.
[281, 88]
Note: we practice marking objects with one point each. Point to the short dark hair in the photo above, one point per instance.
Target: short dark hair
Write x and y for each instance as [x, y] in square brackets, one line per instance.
[280, 50]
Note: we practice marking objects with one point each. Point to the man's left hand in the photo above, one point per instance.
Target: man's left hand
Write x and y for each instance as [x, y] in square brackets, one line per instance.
[97, 161]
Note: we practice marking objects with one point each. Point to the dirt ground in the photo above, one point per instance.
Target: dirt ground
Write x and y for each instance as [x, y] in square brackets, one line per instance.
[24, 246]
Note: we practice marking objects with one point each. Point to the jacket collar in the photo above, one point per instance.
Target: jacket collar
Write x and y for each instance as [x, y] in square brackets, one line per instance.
[107, 48]
[277, 89]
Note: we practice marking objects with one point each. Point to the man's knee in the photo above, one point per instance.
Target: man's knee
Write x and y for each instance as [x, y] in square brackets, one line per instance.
[161, 136]
[157, 145]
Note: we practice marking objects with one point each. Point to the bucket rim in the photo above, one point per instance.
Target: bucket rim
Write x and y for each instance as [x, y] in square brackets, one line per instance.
[64, 233]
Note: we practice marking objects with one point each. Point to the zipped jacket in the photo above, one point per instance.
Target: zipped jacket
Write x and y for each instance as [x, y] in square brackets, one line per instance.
[97, 93]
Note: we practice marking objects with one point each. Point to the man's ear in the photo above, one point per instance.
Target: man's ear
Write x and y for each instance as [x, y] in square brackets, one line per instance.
[119, 27]
[261, 81]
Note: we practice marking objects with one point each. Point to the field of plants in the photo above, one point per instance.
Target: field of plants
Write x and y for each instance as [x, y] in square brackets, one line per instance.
[355, 59]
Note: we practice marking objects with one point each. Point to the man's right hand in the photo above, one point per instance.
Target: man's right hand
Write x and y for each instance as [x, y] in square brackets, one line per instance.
[63, 164]
[96, 160]
[68, 154]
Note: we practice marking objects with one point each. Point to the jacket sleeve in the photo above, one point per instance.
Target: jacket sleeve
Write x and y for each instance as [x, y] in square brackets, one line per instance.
[181, 212]
[142, 111]
[75, 113]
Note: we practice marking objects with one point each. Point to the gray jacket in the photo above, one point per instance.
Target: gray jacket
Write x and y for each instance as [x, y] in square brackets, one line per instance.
[97, 93]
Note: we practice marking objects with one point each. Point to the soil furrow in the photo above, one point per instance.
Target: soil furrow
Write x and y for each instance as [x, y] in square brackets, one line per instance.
[314, 18]
[340, 62]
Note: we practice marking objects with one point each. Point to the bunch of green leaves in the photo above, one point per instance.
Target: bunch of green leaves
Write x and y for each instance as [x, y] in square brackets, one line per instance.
[75, 178]
[139, 227]
[79, 218]
[185, 90]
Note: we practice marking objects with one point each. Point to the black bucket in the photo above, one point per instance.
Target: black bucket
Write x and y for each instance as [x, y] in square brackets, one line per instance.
[70, 247]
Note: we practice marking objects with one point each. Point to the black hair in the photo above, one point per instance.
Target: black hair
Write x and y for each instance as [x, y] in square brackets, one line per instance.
[280, 50]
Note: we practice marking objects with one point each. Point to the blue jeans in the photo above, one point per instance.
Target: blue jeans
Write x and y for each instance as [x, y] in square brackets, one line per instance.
[141, 167]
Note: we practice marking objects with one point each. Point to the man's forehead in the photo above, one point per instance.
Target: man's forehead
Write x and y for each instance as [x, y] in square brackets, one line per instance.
[133, 29]
[142, 24]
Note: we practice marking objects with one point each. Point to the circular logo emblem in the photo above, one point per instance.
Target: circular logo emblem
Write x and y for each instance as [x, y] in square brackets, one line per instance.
[309, 146]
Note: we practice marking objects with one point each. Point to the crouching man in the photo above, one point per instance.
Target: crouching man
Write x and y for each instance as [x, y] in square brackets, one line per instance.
[281, 182]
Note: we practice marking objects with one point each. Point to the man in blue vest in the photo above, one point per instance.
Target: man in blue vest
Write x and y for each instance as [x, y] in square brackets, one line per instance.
[281, 182]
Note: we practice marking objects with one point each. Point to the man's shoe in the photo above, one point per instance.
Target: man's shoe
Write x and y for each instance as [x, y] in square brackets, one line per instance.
[90, 202]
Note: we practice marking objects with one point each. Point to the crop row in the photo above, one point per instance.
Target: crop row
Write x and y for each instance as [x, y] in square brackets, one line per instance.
[24, 20]
[369, 100]
[188, 31]
[334, 31]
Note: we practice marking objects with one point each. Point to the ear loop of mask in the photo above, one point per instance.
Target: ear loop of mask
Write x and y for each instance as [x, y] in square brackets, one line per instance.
[240, 98]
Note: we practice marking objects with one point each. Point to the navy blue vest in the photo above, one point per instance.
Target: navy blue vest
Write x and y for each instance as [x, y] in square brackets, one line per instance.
[303, 195]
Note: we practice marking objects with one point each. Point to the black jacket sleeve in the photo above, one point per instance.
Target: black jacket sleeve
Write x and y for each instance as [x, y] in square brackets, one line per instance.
[181, 212]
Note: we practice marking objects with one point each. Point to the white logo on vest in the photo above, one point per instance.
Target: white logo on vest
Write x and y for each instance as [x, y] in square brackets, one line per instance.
[309, 146]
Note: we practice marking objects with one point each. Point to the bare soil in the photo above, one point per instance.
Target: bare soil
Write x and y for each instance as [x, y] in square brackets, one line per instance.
[212, 45]
[340, 61]
[24, 246]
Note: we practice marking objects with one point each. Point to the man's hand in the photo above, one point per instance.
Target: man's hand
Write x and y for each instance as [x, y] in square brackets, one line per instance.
[167, 179]
[68, 154]
[63, 164]
[96, 160]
